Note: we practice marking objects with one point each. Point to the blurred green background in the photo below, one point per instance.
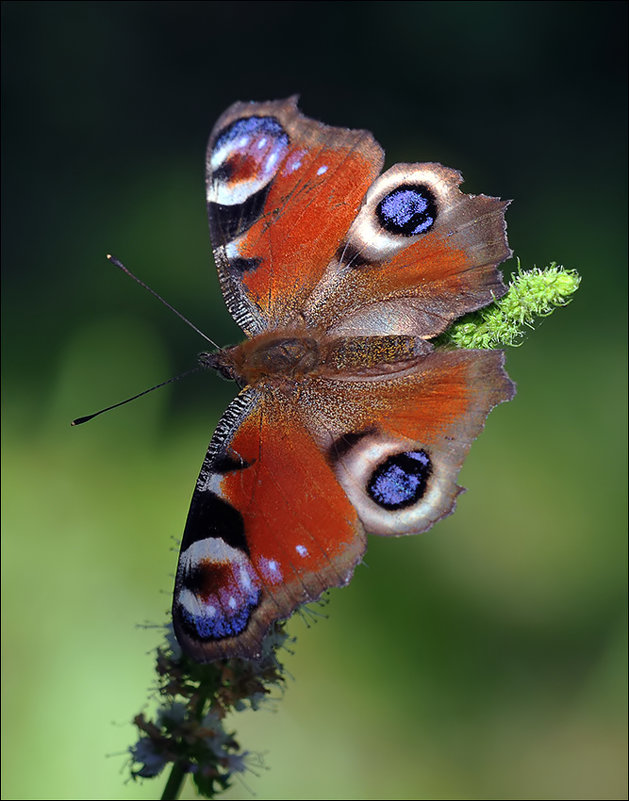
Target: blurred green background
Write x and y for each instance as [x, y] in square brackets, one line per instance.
[485, 659]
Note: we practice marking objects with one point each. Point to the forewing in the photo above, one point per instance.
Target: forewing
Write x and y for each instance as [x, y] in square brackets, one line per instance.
[282, 192]
[269, 528]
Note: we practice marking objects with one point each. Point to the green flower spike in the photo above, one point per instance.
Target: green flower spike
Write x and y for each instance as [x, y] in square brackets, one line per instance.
[531, 294]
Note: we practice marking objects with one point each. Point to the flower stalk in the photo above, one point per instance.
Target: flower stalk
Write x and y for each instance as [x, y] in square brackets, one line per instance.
[188, 731]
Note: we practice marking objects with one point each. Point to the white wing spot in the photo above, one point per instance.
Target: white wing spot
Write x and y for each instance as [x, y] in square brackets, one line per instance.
[232, 603]
[301, 550]
[270, 570]
[271, 161]
[262, 143]
[321, 170]
[243, 141]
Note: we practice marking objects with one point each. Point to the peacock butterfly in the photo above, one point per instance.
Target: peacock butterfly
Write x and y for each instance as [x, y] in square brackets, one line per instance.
[348, 420]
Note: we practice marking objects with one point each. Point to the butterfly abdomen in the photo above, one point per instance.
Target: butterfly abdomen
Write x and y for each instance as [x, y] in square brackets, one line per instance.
[365, 355]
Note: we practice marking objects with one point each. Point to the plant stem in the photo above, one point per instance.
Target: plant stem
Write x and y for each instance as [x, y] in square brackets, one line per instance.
[179, 769]
[174, 783]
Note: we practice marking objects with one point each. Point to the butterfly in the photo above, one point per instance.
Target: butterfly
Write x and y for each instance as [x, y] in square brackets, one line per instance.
[348, 421]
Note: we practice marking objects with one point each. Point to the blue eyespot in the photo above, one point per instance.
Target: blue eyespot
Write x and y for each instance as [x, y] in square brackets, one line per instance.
[408, 210]
[216, 589]
[243, 161]
[216, 599]
[401, 480]
[215, 624]
[250, 132]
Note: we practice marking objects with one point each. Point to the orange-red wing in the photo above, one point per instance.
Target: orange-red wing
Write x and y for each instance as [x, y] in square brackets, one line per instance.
[269, 528]
[282, 192]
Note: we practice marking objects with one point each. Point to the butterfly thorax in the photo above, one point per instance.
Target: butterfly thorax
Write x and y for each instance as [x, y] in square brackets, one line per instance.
[294, 354]
[273, 354]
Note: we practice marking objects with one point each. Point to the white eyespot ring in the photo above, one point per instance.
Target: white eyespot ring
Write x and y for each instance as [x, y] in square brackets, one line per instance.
[370, 238]
[245, 157]
[356, 468]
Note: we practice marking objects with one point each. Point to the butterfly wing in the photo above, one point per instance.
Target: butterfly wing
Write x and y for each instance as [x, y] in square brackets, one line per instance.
[269, 528]
[282, 191]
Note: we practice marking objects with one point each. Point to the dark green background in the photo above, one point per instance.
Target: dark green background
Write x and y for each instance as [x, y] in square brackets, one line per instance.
[485, 659]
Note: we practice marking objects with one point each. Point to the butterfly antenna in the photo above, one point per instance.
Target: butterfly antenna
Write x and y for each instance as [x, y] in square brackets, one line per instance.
[80, 420]
[126, 270]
